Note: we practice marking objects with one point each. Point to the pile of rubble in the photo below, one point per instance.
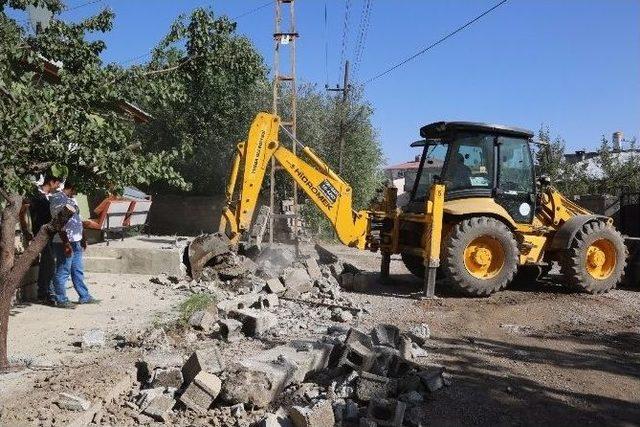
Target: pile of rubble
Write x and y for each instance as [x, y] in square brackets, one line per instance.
[247, 364]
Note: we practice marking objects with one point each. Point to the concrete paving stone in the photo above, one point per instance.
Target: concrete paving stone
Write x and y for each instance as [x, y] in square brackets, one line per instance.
[159, 407]
[318, 415]
[357, 356]
[370, 386]
[167, 377]
[386, 412]
[93, 338]
[230, 329]
[387, 335]
[254, 322]
[275, 286]
[201, 392]
[203, 320]
[208, 360]
[72, 402]
[297, 281]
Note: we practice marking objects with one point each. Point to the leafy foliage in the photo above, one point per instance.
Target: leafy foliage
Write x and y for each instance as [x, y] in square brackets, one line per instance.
[204, 107]
[71, 119]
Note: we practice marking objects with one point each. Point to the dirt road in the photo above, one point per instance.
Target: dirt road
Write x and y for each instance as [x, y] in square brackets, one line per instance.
[536, 355]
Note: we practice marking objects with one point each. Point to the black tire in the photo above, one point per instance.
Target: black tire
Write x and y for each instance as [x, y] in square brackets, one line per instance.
[414, 263]
[573, 263]
[460, 237]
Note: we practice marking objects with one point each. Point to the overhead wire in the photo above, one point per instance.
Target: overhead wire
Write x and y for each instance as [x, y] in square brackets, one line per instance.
[436, 43]
[89, 3]
[345, 35]
[363, 29]
[248, 12]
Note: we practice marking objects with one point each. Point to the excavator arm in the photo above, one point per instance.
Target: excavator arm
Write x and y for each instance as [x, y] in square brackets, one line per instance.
[330, 193]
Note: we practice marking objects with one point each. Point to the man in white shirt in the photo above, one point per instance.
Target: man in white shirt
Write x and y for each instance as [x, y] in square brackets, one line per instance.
[68, 246]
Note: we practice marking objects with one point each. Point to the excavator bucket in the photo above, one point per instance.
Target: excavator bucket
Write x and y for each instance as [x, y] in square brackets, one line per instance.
[203, 249]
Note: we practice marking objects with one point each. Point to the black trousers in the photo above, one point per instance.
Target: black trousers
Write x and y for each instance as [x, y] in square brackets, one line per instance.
[46, 268]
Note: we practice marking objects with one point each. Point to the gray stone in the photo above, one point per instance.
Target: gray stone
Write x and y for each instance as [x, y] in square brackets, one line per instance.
[203, 390]
[254, 322]
[297, 282]
[361, 282]
[93, 338]
[275, 286]
[267, 301]
[411, 397]
[208, 360]
[318, 415]
[203, 320]
[237, 303]
[356, 335]
[72, 402]
[340, 315]
[272, 420]
[357, 356]
[230, 329]
[146, 396]
[419, 333]
[432, 379]
[159, 407]
[166, 377]
[386, 412]
[370, 386]
[238, 411]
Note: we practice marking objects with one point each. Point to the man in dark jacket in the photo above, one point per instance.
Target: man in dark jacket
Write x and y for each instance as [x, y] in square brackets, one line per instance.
[38, 206]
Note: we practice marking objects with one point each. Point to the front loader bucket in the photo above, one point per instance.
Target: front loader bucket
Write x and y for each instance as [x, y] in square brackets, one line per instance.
[203, 249]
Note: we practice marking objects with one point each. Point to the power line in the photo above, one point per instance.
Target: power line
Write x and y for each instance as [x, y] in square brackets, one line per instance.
[451, 34]
[345, 33]
[362, 35]
[81, 5]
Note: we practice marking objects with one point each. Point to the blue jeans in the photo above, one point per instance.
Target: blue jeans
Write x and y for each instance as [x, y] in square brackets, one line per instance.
[71, 266]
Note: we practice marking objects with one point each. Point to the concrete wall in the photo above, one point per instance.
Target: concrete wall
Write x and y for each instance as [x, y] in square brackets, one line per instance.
[184, 215]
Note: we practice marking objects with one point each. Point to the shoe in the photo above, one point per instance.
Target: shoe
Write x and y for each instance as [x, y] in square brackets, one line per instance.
[90, 301]
[67, 305]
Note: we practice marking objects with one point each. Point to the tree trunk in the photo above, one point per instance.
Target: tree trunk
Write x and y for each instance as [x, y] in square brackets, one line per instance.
[10, 278]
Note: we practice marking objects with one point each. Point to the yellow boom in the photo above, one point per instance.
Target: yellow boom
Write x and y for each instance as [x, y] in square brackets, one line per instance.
[324, 187]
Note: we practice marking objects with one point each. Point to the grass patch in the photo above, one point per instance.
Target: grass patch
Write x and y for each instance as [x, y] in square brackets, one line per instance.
[192, 304]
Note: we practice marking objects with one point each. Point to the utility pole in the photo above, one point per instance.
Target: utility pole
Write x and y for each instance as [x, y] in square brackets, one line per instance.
[285, 40]
[342, 129]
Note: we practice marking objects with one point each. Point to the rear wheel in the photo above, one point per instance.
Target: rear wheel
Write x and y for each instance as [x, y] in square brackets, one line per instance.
[596, 259]
[480, 256]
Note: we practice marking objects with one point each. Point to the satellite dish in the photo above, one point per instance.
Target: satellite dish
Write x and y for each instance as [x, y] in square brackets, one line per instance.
[39, 17]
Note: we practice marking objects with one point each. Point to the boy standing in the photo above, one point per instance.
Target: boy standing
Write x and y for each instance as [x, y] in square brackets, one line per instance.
[68, 246]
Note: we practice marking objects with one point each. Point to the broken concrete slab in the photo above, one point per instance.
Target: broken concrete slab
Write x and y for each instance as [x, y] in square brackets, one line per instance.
[386, 335]
[230, 329]
[72, 402]
[266, 302]
[272, 420]
[167, 378]
[432, 379]
[419, 333]
[254, 322]
[275, 286]
[203, 320]
[160, 407]
[146, 396]
[155, 359]
[204, 248]
[357, 356]
[297, 282]
[209, 360]
[93, 338]
[201, 392]
[318, 415]
[313, 269]
[370, 386]
[259, 379]
[386, 412]
[236, 303]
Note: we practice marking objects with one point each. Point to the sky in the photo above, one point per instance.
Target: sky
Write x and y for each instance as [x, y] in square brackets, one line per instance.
[572, 65]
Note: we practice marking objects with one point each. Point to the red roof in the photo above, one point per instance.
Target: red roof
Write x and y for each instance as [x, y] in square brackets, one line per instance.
[405, 165]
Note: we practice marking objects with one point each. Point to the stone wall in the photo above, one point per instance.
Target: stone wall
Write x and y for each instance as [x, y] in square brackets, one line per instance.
[184, 215]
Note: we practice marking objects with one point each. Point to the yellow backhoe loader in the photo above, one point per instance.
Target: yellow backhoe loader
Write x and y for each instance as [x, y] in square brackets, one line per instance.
[475, 214]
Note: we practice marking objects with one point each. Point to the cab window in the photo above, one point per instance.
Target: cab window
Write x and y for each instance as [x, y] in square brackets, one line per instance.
[470, 163]
[434, 159]
[516, 167]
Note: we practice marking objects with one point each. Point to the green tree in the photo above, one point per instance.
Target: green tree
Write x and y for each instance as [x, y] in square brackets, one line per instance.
[615, 171]
[68, 123]
[203, 108]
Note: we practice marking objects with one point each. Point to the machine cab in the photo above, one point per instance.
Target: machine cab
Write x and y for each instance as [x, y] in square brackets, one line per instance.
[477, 160]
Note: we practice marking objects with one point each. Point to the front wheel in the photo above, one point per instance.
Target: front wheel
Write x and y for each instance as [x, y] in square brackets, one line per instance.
[480, 256]
[596, 259]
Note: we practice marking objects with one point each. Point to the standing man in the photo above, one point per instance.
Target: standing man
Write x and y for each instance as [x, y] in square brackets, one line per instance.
[38, 206]
[68, 246]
